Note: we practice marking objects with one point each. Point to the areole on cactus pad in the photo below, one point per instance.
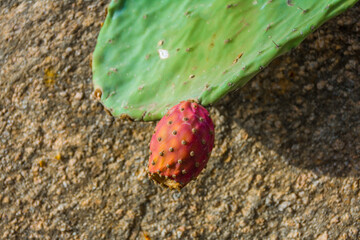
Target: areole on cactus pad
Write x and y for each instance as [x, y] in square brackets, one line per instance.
[151, 55]
[181, 145]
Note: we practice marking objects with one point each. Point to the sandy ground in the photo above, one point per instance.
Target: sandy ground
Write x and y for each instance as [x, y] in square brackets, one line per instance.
[286, 163]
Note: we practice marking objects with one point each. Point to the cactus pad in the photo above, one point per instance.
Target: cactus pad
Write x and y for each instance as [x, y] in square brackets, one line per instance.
[150, 55]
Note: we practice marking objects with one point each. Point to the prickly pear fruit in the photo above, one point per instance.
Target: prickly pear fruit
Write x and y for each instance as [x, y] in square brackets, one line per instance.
[181, 145]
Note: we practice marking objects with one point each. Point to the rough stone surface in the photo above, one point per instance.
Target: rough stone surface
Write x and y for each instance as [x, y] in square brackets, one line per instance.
[286, 163]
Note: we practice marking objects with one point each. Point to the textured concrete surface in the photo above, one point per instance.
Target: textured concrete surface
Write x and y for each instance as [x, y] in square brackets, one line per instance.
[286, 163]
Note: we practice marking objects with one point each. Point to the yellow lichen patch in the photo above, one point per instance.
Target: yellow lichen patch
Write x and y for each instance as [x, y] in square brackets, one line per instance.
[58, 156]
[42, 163]
[146, 236]
[49, 77]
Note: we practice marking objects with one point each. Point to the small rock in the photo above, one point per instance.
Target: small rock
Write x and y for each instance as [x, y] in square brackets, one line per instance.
[6, 200]
[308, 87]
[338, 145]
[274, 236]
[353, 231]
[72, 162]
[284, 205]
[323, 236]
[63, 94]
[334, 220]
[68, 50]
[320, 85]
[343, 236]
[86, 202]
[78, 96]
[293, 234]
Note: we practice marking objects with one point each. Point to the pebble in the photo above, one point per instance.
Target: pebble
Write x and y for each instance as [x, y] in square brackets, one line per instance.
[320, 85]
[323, 236]
[284, 205]
[6, 200]
[78, 96]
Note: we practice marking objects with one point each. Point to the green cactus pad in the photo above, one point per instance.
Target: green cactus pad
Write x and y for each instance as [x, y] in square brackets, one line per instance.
[150, 55]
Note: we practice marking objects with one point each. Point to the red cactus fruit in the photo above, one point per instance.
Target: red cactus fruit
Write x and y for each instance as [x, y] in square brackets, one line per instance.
[181, 145]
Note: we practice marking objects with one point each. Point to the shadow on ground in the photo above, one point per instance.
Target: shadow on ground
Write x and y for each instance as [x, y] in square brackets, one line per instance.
[306, 104]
